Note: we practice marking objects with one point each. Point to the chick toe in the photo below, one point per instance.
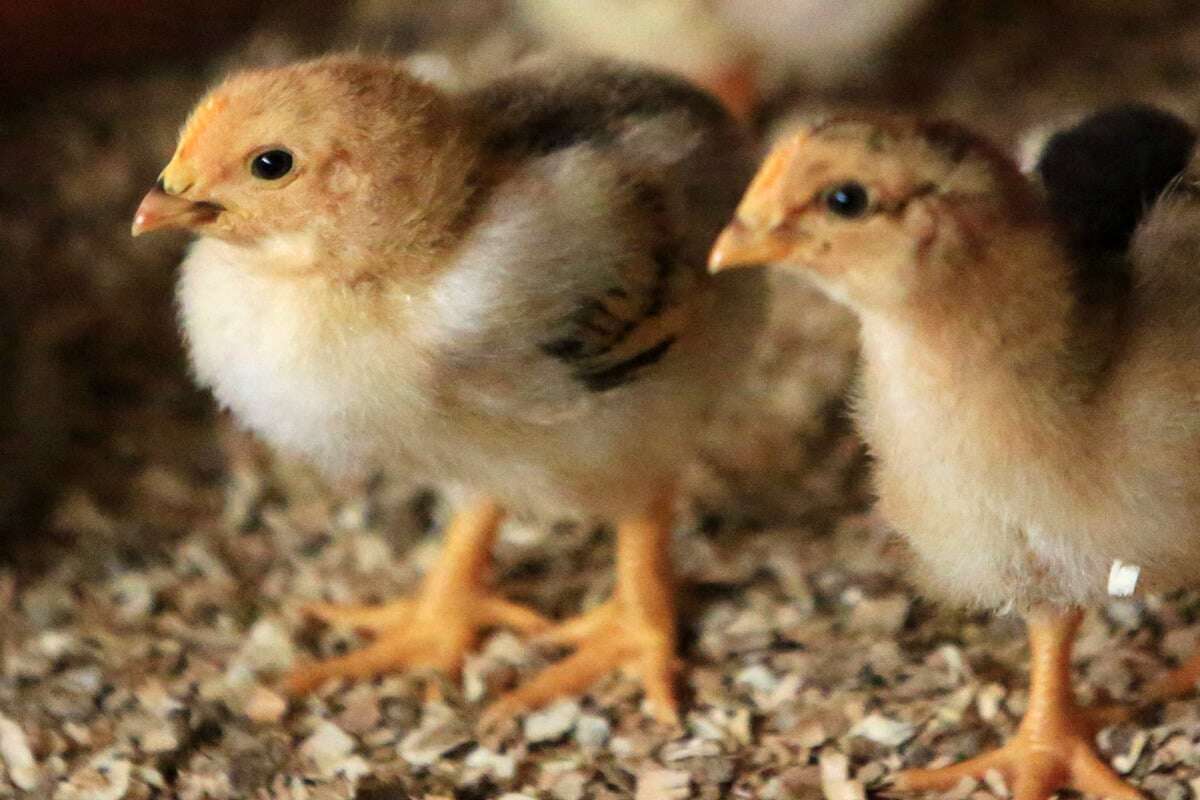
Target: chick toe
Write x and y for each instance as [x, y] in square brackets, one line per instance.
[436, 627]
[1054, 747]
[636, 629]
[606, 639]
[1035, 767]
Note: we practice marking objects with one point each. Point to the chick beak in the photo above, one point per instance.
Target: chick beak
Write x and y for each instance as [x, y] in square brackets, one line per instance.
[160, 210]
[739, 245]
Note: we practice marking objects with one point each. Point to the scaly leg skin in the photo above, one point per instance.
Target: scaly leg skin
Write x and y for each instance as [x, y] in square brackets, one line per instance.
[635, 628]
[440, 624]
[1054, 746]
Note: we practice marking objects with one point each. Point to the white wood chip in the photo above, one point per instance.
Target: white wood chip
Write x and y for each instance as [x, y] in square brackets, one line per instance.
[883, 730]
[663, 784]
[264, 705]
[834, 766]
[988, 701]
[553, 722]
[835, 778]
[994, 779]
[1125, 762]
[327, 748]
[18, 758]
[844, 790]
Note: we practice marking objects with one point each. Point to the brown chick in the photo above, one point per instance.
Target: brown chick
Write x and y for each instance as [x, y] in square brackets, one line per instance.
[503, 290]
[1029, 432]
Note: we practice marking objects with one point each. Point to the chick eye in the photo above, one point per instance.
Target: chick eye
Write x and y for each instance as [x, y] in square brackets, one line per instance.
[848, 200]
[271, 165]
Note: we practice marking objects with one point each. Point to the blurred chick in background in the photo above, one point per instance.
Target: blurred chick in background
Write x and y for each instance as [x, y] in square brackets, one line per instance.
[737, 49]
[1034, 412]
[503, 290]
[683, 36]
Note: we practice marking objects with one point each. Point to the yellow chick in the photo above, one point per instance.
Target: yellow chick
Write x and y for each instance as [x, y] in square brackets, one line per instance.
[1030, 433]
[504, 290]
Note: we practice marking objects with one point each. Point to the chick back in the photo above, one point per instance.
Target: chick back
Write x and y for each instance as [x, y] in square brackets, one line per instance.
[593, 326]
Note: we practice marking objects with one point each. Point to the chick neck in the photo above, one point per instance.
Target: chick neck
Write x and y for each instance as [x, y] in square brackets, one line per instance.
[418, 204]
[1011, 345]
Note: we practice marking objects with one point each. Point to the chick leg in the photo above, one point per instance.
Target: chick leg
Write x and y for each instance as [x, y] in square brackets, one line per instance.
[1053, 748]
[436, 627]
[1181, 681]
[635, 628]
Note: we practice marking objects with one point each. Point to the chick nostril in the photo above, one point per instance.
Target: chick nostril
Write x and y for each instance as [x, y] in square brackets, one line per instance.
[161, 185]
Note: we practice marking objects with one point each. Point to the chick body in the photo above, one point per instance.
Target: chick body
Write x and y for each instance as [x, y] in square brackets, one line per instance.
[1029, 429]
[502, 290]
[566, 351]
[1027, 448]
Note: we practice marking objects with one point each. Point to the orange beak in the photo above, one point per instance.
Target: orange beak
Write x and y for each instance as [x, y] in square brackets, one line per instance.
[758, 234]
[160, 211]
[742, 246]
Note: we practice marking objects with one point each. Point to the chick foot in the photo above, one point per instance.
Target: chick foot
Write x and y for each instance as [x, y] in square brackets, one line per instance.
[435, 628]
[1054, 747]
[634, 629]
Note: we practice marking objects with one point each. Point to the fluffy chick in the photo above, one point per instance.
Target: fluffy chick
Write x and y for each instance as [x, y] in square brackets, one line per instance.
[503, 290]
[1100, 175]
[1028, 431]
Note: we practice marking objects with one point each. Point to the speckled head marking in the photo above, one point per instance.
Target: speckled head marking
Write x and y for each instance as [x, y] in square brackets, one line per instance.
[864, 203]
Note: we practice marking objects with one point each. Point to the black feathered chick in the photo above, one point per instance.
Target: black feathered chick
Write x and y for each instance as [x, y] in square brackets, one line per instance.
[1104, 173]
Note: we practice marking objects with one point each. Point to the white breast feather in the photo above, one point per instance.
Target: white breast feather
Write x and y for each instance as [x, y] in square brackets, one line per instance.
[276, 359]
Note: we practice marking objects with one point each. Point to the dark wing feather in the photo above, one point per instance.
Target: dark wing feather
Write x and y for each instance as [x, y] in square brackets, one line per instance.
[678, 182]
[1101, 177]
[538, 112]
[611, 336]
[1104, 173]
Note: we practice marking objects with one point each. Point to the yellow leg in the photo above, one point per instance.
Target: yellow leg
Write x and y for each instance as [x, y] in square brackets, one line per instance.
[635, 628]
[1054, 746]
[437, 626]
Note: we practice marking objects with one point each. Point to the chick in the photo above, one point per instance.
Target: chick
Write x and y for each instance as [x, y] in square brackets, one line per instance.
[1101, 174]
[504, 290]
[702, 46]
[1028, 431]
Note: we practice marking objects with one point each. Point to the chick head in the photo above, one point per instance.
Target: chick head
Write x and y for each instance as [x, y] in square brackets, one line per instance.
[350, 150]
[870, 208]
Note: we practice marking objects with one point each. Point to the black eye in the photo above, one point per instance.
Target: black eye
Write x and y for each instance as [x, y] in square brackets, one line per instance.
[271, 165]
[848, 199]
